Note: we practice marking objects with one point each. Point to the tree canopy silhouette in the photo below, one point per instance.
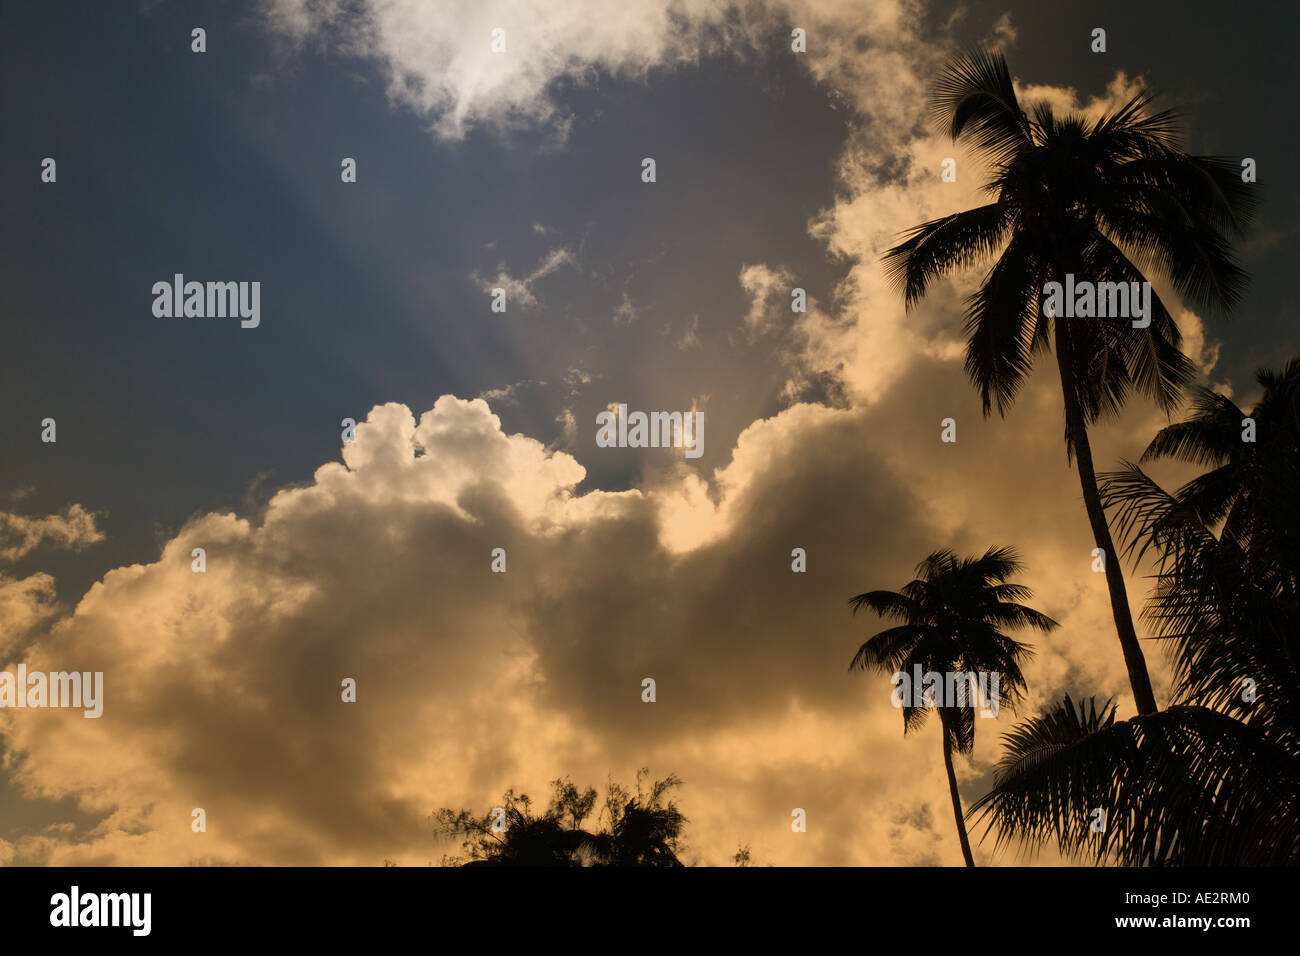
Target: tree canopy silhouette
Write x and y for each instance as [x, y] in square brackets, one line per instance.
[1227, 550]
[635, 829]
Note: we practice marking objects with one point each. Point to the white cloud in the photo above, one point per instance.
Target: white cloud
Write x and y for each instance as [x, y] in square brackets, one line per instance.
[439, 61]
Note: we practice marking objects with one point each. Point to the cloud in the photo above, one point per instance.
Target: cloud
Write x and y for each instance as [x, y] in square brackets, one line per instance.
[575, 378]
[519, 292]
[1004, 32]
[690, 337]
[222, 688]
[439, 61]
[74, 528]
[625, 313]
[26, 606]
[569, 430]
[767, 289]
[508, 393]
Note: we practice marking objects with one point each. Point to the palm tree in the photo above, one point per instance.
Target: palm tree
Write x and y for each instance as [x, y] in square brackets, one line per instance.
[1227, 542]
[1091, 198]
[1215, 779]
[952, 620]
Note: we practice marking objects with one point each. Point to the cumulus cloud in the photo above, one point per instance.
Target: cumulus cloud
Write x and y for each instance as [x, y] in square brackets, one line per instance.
[1004, 32]
[222, 689]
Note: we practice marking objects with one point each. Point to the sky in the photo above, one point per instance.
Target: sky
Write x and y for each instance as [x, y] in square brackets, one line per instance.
[371, 559]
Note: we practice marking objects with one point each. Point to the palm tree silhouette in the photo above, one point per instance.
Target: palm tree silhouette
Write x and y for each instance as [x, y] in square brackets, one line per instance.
[1215, 779]
[1228, 543]
[1188, 786]
[1091, 198]
[953, 616]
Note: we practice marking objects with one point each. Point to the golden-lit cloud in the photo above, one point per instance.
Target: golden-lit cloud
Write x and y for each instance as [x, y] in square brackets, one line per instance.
[21, 534]
[223, 688]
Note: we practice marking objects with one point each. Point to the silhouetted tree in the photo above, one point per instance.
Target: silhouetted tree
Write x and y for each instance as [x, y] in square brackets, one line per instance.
[1215, 779]
[641, 829]
[1090, 198]
[1187, 786]
[1227, 550]
[952, 619]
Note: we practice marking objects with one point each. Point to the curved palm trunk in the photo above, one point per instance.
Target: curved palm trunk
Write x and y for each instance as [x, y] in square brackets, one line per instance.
[952, 789]
[1077, 434]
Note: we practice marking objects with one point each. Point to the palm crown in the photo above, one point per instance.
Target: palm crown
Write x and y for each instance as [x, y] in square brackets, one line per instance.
[1106, 199]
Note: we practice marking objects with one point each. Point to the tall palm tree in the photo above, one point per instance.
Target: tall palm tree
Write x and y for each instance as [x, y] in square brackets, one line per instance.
[953, 616]
[1227, 542]
[1108, 201]
[1215, 779]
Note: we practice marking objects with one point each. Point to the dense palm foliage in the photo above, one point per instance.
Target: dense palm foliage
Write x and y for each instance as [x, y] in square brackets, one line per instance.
[1216, 779]
[1227, 551]
[641, 829]
[952, 619]
[1188, 786]
[1110, 200]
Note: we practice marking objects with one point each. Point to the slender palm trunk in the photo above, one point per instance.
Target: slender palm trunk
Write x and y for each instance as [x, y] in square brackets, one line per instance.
[952, 789]
[1077, 430]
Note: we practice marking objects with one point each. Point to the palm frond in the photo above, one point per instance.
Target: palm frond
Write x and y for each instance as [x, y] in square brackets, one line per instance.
[1186, 786]
[975, 100]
